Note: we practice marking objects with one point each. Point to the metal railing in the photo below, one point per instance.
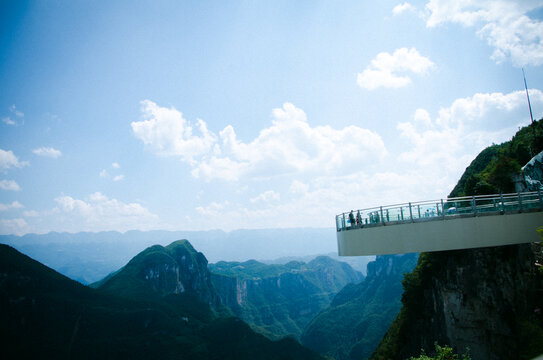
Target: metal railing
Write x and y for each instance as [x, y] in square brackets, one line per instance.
[442, 209]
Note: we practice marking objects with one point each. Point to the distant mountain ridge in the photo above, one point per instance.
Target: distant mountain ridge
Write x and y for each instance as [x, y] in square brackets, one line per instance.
[46, 315]
[89, 257]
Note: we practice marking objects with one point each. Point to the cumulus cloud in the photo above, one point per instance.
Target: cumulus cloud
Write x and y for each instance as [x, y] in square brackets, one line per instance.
[118, 178]
[47, 152]
[167, 133]
[291, 146]
[449, 142]
[392, 70]
[266, 196]
[13, 205]
[9, 185]
[288, 146]
[13, 226]
[8, 160]
[401, 8]
[97, 212]
[506, 26]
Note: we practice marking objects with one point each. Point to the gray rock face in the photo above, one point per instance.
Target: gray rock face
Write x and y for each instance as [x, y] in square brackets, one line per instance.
[474, 300]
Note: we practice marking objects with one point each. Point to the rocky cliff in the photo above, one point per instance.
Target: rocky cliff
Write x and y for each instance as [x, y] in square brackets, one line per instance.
[359, 315]
[158, 271]
[280, 300]
[485, 300]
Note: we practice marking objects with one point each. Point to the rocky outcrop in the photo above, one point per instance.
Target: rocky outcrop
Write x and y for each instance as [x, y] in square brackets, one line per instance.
[478, 299]
[158, 271]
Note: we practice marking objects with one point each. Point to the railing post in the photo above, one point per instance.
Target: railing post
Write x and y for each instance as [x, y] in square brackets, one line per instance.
[388, 216]
[474, 205]
[343, 221]
[540, 199]
[410, 212]
[502, 210]
[442, 210]
[519, 202]
[418, 207]
[382, 217]
[401, 212]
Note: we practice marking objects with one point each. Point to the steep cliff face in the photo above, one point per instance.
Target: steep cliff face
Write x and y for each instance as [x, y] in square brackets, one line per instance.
[482, 299]
[359, 315]
[280, 299]
[159, 271]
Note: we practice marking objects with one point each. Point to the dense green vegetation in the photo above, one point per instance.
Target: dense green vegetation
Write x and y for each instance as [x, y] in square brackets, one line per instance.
[489, 173]
[359, 316]
[280, 300]
[46, 315]
[442, 353]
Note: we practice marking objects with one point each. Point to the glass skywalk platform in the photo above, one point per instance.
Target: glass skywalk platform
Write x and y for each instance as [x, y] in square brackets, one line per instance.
[444, 224]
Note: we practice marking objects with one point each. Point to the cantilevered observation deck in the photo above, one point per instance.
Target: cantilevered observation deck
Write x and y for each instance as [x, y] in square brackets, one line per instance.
[445, 224]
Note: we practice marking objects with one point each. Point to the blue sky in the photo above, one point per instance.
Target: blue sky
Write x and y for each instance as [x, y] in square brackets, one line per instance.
[189, 115]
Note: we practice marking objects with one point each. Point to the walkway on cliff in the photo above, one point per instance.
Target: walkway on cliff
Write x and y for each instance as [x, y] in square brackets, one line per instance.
[444, 224]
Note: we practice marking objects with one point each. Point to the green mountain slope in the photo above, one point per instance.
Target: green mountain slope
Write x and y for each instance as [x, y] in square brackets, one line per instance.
[280, 299]
[490, 172]
[351, 327]
[46, 315]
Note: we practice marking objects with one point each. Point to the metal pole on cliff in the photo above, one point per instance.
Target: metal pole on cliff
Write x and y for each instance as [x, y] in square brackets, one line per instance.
[527, 96]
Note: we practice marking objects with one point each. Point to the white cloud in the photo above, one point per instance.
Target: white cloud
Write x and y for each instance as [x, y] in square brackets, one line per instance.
[391, 70]
[47, 152]
[31, 213]
[298, 187]
[289, 146]
[8, 121]
[105, 174]
[444, 147]
[9, 185]
[212, 210]
[266, 196]
[100, 213]
[167, 133]
[18, 117]
[8, 160]
[13, 110]
[13, 226]
[13, 205]
[504, 24]
[401, 8]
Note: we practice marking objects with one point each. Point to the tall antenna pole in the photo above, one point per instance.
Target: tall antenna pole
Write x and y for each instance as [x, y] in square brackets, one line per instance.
[527, 96]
